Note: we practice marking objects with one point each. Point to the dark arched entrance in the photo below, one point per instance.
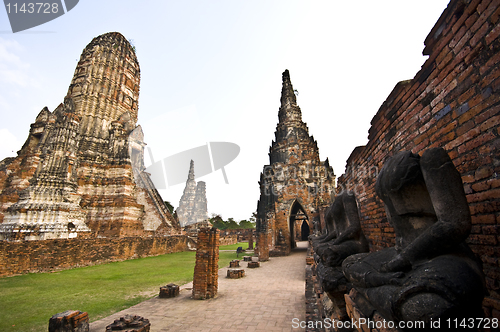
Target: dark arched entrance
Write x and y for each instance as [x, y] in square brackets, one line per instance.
[298, 217]
[304, 231]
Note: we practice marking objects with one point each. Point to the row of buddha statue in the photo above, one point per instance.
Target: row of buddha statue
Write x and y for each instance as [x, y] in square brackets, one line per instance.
[430, 273]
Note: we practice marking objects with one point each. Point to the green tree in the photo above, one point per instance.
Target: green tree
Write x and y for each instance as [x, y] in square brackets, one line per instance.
[217, 221]
[231, 224]
[245, 224]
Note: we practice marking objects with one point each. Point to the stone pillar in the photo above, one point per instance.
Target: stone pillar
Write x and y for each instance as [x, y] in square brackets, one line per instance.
[206, 270]
[250, 240]
[262, 247]
[69, 321]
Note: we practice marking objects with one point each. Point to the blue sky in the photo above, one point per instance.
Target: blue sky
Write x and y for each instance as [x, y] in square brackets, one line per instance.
[211, 71]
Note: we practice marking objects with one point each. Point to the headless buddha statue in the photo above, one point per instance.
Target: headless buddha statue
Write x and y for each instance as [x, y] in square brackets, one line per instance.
[344, 238]
[431, 272]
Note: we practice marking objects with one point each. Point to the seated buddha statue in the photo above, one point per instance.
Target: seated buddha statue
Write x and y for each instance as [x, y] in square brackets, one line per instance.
[344, 238]
[431, 272]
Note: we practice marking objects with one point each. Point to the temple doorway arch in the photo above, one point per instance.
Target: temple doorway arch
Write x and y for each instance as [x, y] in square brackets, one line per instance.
[304, 231]
[298, 223]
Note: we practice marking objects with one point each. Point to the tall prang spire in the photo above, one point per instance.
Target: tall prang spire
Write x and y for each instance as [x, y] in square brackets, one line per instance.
[289, 110]
[191, 170]
[291, 130]
[287, 93]
[193, 203]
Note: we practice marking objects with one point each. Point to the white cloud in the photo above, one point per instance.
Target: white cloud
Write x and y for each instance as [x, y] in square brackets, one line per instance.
[9, 144]
[13, 70]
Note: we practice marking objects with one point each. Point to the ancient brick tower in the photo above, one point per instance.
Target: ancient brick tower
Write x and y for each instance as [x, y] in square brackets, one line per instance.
[81, 172]
[294, 186]
[193, 203]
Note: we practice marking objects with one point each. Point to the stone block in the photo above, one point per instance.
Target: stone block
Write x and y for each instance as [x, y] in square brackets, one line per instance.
[234, 263]
[69, 321]
[168, 291]
[252, 265]
[247, 258]
[130, 323]
[235, 273]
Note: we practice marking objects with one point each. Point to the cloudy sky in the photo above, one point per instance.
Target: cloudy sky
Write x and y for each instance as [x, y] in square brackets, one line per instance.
[211, 72]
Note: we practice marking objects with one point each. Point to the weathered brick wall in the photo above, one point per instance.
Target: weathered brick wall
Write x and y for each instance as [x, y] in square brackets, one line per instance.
[206, 270]
[242, 233]
[453, 103]
[227, 240]
[46, 255]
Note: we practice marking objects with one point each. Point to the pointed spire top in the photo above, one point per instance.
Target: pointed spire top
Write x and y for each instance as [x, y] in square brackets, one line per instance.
[287, 93]
[191, 170]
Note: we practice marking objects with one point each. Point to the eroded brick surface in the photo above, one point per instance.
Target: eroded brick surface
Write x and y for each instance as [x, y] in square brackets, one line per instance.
[206, 279]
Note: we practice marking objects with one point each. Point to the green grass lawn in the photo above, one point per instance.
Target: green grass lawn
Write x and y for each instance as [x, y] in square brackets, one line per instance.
[28, 301]
[235, 246]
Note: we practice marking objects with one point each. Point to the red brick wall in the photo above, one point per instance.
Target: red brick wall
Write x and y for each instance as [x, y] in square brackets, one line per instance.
[46, 255]
[227, 240]
[242, 233]
[453, 102]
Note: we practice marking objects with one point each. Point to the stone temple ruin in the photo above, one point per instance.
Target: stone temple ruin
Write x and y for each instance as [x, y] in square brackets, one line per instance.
[294, 186]
[412, 233]
[80, 172]
[193, 203]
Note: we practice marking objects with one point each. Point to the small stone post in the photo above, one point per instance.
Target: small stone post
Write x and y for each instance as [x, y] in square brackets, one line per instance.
[69, 321]
[130, 323]
[168, 291]
[206, 270]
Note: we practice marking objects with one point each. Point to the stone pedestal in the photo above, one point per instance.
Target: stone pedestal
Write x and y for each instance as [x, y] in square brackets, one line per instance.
[130, 323]
[168, 291]
[69, 321]
[247, 258]
[234, 263]
[206, 270]
[253, 265]
[377, 322]
[235, 273]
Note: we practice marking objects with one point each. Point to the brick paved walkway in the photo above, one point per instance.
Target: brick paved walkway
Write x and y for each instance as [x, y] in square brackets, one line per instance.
[266, 299]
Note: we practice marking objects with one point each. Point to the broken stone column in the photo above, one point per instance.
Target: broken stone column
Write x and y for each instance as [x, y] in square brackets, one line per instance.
[253, 265]
[168, 291]
[130, 323]
[234, 263]
[206, 270]
[262, 249]
[69, 321]
[235, 273]
[250, 241]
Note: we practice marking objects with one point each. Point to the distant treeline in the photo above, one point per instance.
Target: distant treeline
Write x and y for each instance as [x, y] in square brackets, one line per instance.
[230, 223]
